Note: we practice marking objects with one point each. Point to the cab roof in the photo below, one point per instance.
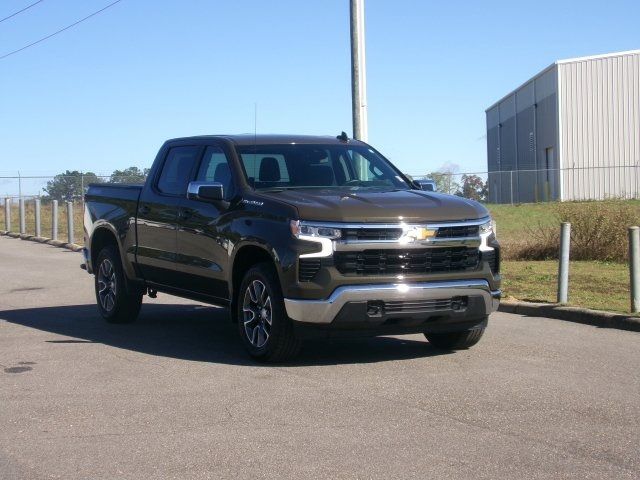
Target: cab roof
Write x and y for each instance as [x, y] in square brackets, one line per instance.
[271, 139]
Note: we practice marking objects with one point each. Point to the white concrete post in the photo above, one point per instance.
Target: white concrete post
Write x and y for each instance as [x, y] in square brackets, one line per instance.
[634, 267]
[7, 214]
[70, 222]
[37, 216]
[23, 228]
[563, 268]
[54, 220]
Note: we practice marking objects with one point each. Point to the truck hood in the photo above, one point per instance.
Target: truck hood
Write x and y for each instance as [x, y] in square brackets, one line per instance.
[375, 206]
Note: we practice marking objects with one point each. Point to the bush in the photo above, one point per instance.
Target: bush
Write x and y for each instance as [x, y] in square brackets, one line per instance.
[598, 232]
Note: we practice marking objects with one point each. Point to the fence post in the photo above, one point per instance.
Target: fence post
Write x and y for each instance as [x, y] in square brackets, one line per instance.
[23, 228]
[70, 222]
[54, 220]
[563, 268]
[37, 216]
[7, 214]
[634, 267]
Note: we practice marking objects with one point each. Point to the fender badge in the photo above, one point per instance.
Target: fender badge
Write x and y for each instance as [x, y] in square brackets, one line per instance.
[252, 202]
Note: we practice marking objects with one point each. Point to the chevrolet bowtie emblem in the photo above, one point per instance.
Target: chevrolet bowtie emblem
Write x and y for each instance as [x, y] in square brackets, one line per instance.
[420, 233]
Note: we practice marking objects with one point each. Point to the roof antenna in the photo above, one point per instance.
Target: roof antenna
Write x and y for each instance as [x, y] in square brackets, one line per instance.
[343, 137]
[255, 128]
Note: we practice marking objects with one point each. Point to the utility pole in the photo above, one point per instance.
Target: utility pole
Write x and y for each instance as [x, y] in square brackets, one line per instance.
[358, 72]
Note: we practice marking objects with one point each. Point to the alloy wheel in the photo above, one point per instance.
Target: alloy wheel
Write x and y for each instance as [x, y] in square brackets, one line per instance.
[107, 285]
[256, 308]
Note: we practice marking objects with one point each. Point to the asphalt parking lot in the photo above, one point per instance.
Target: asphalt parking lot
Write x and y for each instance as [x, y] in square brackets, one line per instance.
[175, 396]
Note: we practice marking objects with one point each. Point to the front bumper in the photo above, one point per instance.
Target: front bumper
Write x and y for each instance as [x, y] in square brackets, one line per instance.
[323, 312]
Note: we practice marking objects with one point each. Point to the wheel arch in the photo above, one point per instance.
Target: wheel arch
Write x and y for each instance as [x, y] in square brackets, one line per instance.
[246, 256]
[103, 235]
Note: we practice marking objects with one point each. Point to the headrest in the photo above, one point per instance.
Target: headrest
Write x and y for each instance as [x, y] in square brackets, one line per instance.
[321, 175]
[222, 173]
[269, 170]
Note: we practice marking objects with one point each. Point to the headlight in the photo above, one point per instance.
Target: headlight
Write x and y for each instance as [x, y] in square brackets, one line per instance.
[305, 229]
[488, 227]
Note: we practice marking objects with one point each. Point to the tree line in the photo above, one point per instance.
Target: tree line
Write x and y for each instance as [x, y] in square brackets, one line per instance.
[470, 186]
[71, 184]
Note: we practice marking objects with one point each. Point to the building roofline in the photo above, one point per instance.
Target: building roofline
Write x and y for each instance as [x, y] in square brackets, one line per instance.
[595, 57]
[562, 62]
[539, 74]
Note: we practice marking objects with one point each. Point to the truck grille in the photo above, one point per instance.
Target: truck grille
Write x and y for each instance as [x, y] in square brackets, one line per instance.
[381, 234]
[458, 231]
[420, 306]
[492, 257]
[427, 260]
[371, 234]
[308, 268]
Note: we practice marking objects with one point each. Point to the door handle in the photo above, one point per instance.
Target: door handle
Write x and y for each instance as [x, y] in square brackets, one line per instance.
[144, 209]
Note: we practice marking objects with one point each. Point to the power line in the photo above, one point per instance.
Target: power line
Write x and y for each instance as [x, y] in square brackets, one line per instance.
[59, 31]
[20, 11]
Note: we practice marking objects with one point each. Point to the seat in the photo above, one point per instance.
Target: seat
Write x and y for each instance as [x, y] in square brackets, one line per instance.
[269, 173]
[321, 175]
[310, 175]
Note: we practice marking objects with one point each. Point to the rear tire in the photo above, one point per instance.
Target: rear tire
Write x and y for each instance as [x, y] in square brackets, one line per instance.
[115, 304]
[456, 340]
[266, 331]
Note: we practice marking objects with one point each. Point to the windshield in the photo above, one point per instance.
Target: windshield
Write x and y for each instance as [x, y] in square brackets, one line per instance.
[318, 166]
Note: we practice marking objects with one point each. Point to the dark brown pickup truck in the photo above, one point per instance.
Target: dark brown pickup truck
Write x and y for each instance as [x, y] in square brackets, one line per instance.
[299, 236]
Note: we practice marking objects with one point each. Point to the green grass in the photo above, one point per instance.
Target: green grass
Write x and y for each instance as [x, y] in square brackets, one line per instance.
[596, 285]
[512, 220]
[515, 223]
[592, 284]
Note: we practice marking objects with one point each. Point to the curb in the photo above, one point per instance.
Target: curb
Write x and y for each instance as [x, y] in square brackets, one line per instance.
[573, 314]
[74, 247]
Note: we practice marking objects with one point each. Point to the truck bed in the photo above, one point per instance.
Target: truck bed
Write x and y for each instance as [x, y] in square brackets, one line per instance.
[115, 205]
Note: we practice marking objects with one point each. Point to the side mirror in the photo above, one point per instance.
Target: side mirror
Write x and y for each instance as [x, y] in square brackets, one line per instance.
[205, 191]
[428, 185]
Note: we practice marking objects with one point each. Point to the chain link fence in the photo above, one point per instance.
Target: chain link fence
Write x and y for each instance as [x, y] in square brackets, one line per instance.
[50, 206]
[509, 186]
[542, 185]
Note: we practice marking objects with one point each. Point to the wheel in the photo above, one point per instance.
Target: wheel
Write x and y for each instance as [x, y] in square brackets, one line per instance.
[115, 304]
[456, 340]
[266, 331]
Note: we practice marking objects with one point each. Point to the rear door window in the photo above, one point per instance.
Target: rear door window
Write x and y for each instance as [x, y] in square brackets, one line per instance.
[177, 168]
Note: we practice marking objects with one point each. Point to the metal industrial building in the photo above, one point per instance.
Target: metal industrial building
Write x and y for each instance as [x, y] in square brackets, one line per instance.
[572, 132]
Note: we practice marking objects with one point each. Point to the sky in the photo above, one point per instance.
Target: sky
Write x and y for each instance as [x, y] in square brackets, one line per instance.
[105, 94]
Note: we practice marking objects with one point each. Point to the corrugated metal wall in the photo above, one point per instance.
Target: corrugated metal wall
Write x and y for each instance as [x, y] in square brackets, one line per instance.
[520, 129]
[493, 154]
[600, 127]
[546, 136]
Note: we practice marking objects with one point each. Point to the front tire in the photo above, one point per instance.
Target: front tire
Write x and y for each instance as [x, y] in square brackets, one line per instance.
[115, 304]
[456, 340]
[266, 331]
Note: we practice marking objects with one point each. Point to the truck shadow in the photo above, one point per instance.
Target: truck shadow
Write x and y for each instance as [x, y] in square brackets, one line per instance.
[201, 333]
